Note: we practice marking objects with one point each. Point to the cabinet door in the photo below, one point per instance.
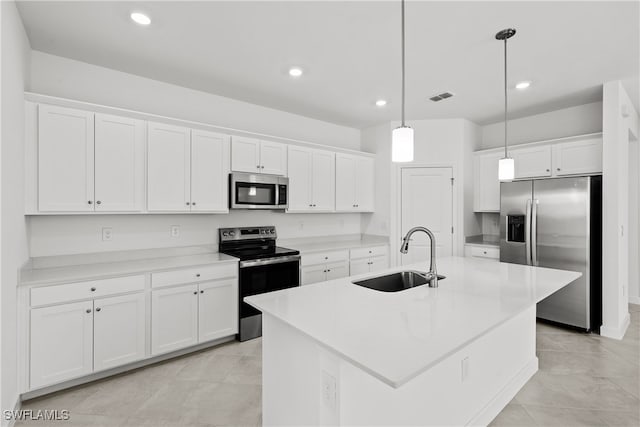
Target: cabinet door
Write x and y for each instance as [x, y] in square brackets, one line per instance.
[218, 309]
[119, 330]
[174, 318]
[169, 163]
[378, 263]
[209, 172]
[273, 158]
[313, 274]
[364, 184]
[346, 182]
[486, 194]
[61, 343]
[532, 162]
[359, 266]
[65, 160]
[579, 157]
[323, 178]
[300, 182]
[337, 270]
[119, 164]
[245, 155]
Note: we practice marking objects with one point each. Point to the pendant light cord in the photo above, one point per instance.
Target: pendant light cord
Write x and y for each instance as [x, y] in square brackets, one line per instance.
[505, 98]
[403, 85]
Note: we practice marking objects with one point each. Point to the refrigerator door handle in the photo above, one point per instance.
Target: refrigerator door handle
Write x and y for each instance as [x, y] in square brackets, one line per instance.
[534, 232]
[527, 232]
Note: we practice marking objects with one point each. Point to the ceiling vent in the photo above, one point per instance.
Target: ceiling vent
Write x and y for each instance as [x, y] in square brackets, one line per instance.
[441, 96]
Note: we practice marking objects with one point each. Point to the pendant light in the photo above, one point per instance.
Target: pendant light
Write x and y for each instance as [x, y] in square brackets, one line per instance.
[506, 165]
[402, 136]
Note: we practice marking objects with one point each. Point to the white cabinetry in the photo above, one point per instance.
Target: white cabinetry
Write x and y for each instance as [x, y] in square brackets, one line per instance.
[574, 158]
[482, 251]
[486, 196]
[322, 266]
[532, 162]
[217, 309]
[187, 170]
[174, 318]
[65, 160]
[311, 180]
[354, 183]
[368, 260]
[119, 330]
[254, 156]
[61, 342]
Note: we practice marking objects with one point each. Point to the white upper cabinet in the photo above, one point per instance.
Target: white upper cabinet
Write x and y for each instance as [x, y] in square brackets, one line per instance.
[119, 164]
[354, 183]
[209, 172]
[532, 162]
[311, 180]
[254, 156]
[273, 158]
[65, 160]
[486, 196]
[169, 164]
[581, 157]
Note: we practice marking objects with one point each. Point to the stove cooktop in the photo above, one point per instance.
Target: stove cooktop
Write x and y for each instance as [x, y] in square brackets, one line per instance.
[260, 253]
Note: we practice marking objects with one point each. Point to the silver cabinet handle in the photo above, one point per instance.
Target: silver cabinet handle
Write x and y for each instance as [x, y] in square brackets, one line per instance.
[98, 309]
[195, 292]
[547, 170]
[193, 203]
[93, 289]
[202, 292]
[88, 310]
[89, 202]
[98, 202]
[558, 169]
[197, 274]
[188, 203]
[258, 166]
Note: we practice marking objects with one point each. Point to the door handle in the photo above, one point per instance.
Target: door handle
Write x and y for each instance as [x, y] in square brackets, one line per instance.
[527, 232]
[534, 232]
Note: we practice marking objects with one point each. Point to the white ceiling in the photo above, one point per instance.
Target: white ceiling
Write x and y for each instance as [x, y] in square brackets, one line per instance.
[351, 52]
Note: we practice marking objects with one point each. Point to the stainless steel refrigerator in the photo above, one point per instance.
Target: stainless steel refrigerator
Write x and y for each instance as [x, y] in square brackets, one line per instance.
[557, 223]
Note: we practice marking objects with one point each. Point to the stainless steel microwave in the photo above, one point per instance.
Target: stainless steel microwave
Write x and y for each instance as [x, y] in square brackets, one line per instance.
[257, 191]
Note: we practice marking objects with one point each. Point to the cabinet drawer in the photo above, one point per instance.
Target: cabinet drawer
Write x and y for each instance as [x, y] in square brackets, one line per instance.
[324, 257]
[91, 289]
[369, 252]
[482, 252]
[196, 274]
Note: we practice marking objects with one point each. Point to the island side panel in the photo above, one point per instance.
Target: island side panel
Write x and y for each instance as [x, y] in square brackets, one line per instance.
[470, 387]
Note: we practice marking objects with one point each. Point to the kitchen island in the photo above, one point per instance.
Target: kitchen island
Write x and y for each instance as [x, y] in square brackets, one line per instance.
[335, 353]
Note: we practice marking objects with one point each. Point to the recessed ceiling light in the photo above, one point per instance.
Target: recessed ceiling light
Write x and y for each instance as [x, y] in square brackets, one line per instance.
[523, 85]
[140, 18]
[381, 103]
[295, 71]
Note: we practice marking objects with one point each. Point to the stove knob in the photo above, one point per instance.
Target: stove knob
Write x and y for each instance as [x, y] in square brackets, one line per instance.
[232, 233]
[225, 234]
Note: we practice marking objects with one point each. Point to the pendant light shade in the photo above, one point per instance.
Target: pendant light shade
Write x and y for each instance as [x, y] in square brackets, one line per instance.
[402, 136]
[402, 144]
[506, 165]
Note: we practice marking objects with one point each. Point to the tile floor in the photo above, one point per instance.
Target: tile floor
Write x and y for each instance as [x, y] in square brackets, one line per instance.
[584, 380]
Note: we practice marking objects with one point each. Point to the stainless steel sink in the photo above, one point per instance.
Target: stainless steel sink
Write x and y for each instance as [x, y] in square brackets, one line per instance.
[395, 282]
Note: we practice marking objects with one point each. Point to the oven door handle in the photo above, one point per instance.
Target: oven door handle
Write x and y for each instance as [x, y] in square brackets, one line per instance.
[269, 261]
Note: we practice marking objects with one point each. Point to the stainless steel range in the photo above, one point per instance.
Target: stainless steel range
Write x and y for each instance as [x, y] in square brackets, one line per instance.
[264, 267]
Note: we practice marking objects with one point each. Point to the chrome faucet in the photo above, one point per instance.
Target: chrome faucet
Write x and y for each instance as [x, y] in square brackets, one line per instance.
[432, 275]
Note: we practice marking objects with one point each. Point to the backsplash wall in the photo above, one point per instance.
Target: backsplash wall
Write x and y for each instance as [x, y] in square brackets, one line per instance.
[491, 223]
[79, 234]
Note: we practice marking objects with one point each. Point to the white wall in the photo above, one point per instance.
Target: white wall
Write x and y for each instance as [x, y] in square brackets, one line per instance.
[447, 142]
[620, 125]
[14, 66]
[634, 222]
[578, 120]
[65, 235]
[57, 235]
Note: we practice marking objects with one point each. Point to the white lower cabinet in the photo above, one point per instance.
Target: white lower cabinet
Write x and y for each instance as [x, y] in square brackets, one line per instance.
[369, 265]
[482, 251]
[323, 272]
[217, 309]
[174, 318]
[118, 330]
[61, 342]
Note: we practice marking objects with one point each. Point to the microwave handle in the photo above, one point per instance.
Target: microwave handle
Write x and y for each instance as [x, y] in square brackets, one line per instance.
[277, 190]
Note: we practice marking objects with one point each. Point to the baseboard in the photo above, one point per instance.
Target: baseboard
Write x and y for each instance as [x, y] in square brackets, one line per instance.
[16, 408]
[508, 392]
[616, 333]
[634, 300]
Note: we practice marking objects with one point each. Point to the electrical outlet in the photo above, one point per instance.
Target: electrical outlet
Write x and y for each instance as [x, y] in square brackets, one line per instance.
[329, 390]
[107, 234]
[175, 231]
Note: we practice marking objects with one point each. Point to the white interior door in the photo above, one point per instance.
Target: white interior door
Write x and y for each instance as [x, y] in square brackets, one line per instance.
[427, 195]
[209, 171]
[119, 163]
[169, 164]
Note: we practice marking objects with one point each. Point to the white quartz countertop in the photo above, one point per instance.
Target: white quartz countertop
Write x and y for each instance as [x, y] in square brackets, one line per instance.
[331, 243]
[396, 336]
[103, 270]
